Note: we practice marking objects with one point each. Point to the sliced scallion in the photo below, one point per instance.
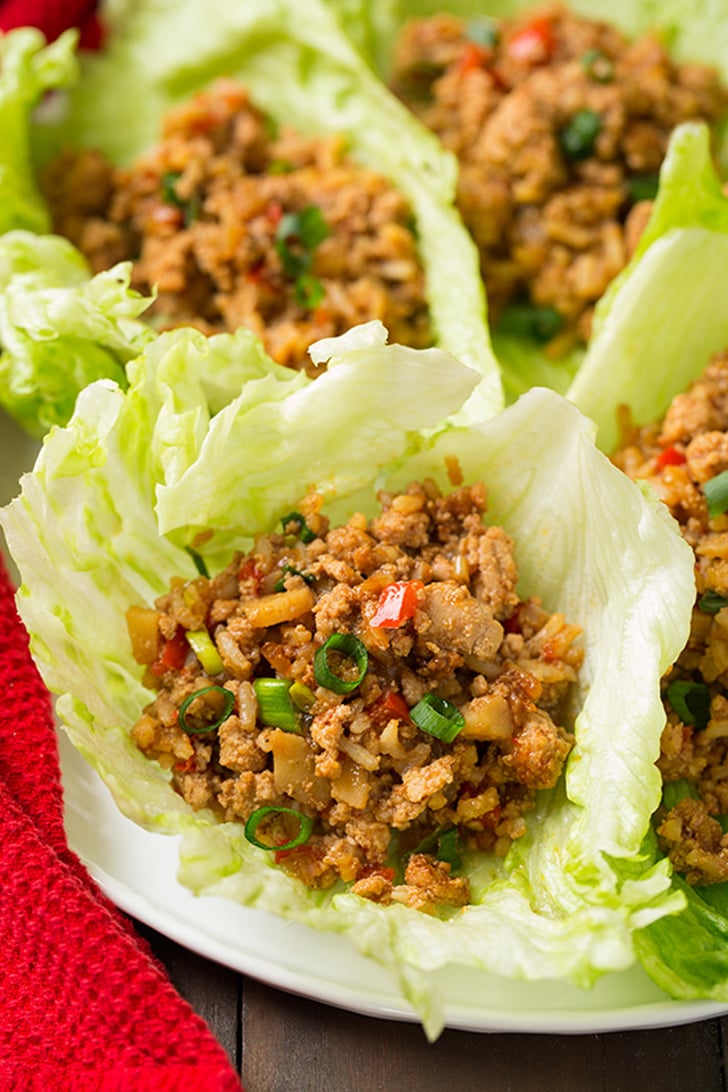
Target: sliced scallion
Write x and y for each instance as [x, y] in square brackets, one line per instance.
[199, 561]
[643, 187]
[349, 646]
[598, 66]
[526, 320]
[691, 701]
[578, 136]
[309, 291]
[675, 791]
[228, 704]
[275, 708]
[204, 649]
[711, 602]
[438, 717]
[448, 845]
[305, 826]
[302, 696]
[280, 584]
[295, 524]
[716, 494]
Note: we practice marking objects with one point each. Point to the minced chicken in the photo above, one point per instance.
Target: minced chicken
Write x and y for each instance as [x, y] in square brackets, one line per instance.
[235, 224]
[560, 126]
[683, 459]
[428, 733]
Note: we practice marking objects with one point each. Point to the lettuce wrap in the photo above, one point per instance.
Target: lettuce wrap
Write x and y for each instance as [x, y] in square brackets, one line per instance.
[642, 358]
[301, 71]
[103, 520]
[660, 291]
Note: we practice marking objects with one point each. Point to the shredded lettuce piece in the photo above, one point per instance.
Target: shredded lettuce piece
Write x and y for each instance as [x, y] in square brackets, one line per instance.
[60, 328]
[103, 520]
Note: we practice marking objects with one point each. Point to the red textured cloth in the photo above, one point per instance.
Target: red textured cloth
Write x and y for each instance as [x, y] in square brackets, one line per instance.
[53, 17]
[84, 1005]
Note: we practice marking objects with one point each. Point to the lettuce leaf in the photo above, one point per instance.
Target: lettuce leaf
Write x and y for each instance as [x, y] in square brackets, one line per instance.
[60, 328]
[668, 309]
[667, 312]
[303, 72]
[687, 955]
[102, 521]
[28, 69]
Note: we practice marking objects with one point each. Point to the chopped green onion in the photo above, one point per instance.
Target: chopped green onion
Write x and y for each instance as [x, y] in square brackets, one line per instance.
[643, 187]
[443, 844]
[297, 236]
[526, 320]
[598, 66]
[309, 291]
[348, 645]
[169, 193]
[578, 136]
[484, 32]
[711, 602]
[438, 717]
[190, 208]
[274, 704]
[305, 826]
[716, 494]
[723, 820]
[280, 166]
[280, 584]
[229, 702]
[691, 702]
[300, 528]
[301, 696]
[199, 561]
[202, 645]
[675, 791]
[448, 845]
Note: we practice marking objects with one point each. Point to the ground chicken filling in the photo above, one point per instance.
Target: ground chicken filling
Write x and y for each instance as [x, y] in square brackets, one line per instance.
[685, 459]
[234, 225]
[560, 126]
[373, 699]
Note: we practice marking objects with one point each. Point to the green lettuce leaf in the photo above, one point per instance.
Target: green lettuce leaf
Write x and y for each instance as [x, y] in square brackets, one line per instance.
[687, 955]
[667, 312]
[102, 522]
[60, 328]
[302, 71]
[28, 69]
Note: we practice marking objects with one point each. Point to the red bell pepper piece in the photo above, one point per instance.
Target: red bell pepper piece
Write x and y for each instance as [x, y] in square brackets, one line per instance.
[397, 604]
[173, 654]
[670, 457]
[534, 44]
[473, 56]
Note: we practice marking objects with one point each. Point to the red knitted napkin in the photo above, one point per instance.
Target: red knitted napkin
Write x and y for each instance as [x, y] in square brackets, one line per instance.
[53, 17]
[84, 1006]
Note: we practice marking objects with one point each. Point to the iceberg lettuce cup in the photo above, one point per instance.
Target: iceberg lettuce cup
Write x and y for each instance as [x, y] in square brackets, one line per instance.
[115, 509]
[297, 198]
[560, 117]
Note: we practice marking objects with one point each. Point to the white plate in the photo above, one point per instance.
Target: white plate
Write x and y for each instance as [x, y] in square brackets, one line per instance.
[137, 870]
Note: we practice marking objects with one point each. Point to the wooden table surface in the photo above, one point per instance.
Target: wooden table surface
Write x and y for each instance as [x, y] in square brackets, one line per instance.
[279, 1042]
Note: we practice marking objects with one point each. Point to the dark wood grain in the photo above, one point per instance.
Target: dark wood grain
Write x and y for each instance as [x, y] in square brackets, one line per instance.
[283, 1043]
